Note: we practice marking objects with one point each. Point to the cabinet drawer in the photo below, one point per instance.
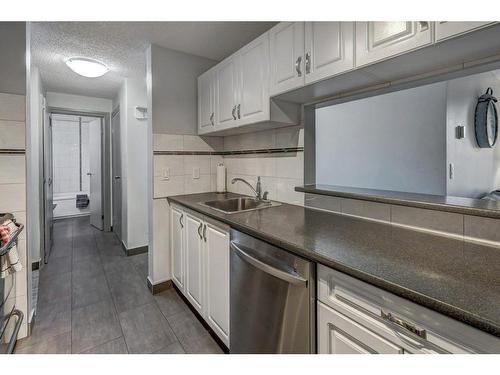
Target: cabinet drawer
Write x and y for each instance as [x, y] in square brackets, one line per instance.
[415, 327]
[340, 335]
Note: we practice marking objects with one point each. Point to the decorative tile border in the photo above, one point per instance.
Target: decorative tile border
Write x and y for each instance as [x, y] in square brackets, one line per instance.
[236, 152]
[12, 151]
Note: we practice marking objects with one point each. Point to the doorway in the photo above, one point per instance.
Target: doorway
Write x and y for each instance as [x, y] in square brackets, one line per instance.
[76, 171]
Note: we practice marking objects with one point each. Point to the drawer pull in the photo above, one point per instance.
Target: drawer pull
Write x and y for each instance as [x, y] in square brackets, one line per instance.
[403, 323]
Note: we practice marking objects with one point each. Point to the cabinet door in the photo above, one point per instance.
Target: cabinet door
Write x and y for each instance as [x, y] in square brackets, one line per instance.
[217, 279]
[226, 85]
[253, 82]
[337, 334]
[377, 41]
[194, 261]
[177, 221]
[287, 56]
[329, 49]
[206, 101]
[446, 29]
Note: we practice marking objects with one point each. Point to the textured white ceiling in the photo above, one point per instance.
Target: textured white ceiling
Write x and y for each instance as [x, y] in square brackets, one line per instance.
[122, 46]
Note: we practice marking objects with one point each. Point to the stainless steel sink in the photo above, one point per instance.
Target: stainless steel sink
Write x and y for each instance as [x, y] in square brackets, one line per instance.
[234, 205]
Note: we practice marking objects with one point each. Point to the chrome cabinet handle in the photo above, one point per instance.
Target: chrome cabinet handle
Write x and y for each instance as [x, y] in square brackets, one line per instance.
[420, 332]
[233, 112]
[308, 63]
[199, 231]
[180, 220]
[212, 119]
[298, 62]
[283, 275]
[117, 177]
[205, 232]
[239, 112]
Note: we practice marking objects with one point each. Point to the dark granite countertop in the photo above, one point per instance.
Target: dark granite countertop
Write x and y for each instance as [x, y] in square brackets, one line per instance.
[456, 278]
[466, 206]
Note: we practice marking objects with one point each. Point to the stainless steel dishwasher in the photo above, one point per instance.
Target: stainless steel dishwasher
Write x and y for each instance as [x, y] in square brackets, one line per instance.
[272, 299]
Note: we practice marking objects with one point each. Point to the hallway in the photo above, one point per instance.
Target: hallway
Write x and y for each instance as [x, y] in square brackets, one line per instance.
[94, 299]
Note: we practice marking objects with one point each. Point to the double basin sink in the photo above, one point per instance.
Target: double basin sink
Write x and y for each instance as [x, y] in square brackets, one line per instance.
[241, 204]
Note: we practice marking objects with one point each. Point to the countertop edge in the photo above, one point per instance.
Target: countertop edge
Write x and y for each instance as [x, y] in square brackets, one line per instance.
[403, 292]
[403, 202]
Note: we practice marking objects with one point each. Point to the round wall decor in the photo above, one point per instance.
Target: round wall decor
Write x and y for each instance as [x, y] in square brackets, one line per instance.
[486, 120]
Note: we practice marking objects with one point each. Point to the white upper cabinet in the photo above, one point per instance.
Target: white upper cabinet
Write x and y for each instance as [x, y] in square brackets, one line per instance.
[226, 86]
[253, 82]
[446, 29]
[206, 101]
[377, 41]
[287, 56]
[217, 279]
[329, 49]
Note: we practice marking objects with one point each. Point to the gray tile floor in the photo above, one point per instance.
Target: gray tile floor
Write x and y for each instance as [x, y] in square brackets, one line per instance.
[94, 299]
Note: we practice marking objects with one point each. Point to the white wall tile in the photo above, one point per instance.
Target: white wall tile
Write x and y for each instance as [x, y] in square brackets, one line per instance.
[372, 210]
[165, 188]
[174, 162]
[290, 137]
[290, 165]
[13, 197]
[199, 185]
[214, 161]
[168, 142]
[12, 169]
[285, 191]
[482, 228]
[196, 143]
[429, 219]
[12, 134]
[12, 107]
[196, 161]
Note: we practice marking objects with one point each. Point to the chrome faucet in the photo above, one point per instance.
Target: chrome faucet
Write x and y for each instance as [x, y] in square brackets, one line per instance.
[258, 188]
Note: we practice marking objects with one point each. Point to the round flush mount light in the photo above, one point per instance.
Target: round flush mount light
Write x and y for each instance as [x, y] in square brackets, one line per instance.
[87, 67]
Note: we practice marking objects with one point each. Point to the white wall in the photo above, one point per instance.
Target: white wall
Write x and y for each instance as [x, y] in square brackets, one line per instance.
[175, 90]
[395, 141]
[78, 102]
[476, 170]
[134, 153]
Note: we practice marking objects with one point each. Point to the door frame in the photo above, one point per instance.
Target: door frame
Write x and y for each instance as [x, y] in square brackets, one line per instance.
[105, 157]
[116, 111]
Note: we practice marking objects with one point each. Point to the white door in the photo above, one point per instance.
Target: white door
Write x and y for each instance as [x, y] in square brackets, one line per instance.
[116, 175]
[377, 41]
[206, 101]
[287, 57]
[194, 261]
[337, 334]
[95, 129]
[447, 29]
[329, 49]
[217, 280]
[225, 111]
[48, 182]
[177, 246]
[253, 82]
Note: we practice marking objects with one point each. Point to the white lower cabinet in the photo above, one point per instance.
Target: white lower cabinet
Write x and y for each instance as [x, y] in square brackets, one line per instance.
[341, 335]
[200, 266]
[356, 317]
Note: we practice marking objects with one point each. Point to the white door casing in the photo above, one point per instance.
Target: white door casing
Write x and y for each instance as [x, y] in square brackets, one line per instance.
[95, 154]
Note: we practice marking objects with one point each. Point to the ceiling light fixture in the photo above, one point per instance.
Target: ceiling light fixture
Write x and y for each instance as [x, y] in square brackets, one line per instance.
[87, 67]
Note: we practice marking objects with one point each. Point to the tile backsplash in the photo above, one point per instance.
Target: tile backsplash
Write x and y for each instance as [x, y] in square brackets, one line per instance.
[13, 190]
[186, 174]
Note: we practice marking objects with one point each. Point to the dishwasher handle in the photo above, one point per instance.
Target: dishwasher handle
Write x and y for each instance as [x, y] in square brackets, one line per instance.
[283, 275]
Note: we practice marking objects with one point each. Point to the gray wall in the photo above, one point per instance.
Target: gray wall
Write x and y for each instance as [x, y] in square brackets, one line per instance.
[395, 141]
[476, 170]
[13, 60]
[175, 90]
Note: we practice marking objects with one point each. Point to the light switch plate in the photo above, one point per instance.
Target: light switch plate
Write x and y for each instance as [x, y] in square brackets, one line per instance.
[196, 173]
[166, 174]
